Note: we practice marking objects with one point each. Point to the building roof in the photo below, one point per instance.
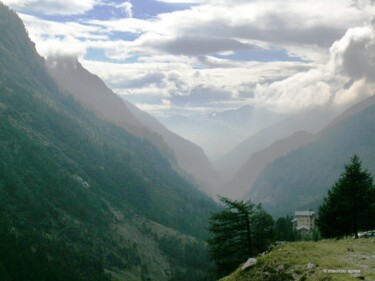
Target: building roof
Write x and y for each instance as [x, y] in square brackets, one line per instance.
[303, 227]
[304, 213]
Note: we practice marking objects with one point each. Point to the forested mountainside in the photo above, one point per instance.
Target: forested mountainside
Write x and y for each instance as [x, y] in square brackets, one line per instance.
[301, 179]
[93, 94]
[80, 198]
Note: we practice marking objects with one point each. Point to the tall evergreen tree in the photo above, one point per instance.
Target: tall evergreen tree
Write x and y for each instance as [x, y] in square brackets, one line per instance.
[263, 230]
[284, 230]
[349, 205]
[230, 243]
[238, 232]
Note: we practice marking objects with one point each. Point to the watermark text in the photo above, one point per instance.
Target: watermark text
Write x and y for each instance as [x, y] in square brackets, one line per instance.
[341, 271]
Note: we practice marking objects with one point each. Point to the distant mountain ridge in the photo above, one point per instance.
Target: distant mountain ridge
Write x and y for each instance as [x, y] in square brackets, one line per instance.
[300, 179]
[311, 121]
[243, 181]
[91, 92]
[218, 132]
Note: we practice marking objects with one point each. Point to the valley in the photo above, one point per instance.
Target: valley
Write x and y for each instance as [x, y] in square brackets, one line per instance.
[170, 140]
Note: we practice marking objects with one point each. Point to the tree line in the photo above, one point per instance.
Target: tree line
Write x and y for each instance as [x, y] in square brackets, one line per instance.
[243, 229]
[349, 206]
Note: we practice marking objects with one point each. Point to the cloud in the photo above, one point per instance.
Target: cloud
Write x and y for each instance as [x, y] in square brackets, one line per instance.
[151, 78]
[196, 45]
[126, 7]
[298, 92]
[62, 38]
[354, 54]
[171, 59]
[201, 95]
[52, 7]
[346, 78]
[305, 29]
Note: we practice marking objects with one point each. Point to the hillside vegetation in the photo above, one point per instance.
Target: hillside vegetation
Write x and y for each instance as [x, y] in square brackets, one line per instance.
[346, 259]
[80, 193]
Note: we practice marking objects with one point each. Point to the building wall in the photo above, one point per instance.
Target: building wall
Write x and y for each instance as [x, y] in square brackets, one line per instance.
[308, 221]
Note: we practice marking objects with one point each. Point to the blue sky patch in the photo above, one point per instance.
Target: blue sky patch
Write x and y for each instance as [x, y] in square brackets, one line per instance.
[126, 36]
[261, 55]
[96, 54]
[145, 9]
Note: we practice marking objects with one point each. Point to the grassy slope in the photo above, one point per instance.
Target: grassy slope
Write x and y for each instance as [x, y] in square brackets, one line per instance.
[289, 261]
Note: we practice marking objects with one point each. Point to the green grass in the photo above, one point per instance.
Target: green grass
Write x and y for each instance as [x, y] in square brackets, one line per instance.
[289, 262]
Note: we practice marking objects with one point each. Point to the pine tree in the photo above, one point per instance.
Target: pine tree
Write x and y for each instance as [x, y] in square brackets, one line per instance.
[349, 205]
[230, 243]
[284, 230]
[239, 231]
[263, 231]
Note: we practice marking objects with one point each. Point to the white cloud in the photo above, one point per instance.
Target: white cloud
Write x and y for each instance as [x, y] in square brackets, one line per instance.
[126, 7]
[50, 29]
[57, 38]
[347, 77]
[354, 54]
[179, 80]
[172, 53]
[304, 28]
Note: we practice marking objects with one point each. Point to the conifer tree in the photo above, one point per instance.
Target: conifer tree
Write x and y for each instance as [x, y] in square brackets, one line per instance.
[231, 242]
[238, 232]
[349, 205]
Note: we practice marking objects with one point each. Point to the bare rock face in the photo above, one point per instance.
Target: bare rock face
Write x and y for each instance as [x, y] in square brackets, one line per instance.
[249, 263]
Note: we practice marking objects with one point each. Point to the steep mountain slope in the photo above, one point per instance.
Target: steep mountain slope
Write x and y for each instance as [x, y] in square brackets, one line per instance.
[104, 200]
[301, 179]
[242, 182]
[92, 93]
[311, 121]
[190, 157]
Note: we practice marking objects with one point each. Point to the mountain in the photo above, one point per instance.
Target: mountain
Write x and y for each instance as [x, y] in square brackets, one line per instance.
[93, 94]
[80, 197]
[300, 179]
[219, 132]
[242, 182]
[310, 121]
[190, 157]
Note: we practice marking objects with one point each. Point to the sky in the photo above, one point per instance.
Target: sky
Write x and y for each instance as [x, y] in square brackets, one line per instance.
[181, 57]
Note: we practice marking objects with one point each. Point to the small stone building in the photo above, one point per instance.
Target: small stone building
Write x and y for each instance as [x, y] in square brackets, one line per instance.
[304, 221]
